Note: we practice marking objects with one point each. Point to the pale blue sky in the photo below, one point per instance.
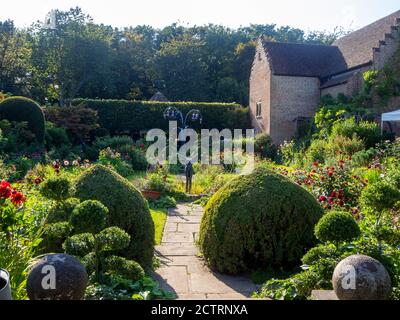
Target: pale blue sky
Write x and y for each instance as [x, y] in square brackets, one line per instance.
[305, 14]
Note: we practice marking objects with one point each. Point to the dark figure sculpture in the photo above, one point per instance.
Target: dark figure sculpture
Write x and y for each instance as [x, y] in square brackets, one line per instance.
[189, 176]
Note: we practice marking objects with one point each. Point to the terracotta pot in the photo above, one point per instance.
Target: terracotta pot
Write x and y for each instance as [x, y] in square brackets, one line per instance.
[151, 195]
[5, 290]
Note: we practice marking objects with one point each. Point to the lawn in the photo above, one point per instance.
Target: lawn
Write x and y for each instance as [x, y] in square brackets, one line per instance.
[159, 217]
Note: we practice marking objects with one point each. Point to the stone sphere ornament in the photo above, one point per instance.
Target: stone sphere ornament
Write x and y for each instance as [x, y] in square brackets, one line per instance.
[57, 277]
[361, 277]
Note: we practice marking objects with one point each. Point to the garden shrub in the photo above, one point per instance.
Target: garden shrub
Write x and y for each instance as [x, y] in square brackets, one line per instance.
[264, 147]
[314, 255]
[24, 109]
[77, 120]
[138, 160]
[367, 131]
[56, 188]
[79, 244]
[336, 227]
[317, 151]
[344, 145]
[258, 221]
[379, 196]
[54, 235]
[129, 269]
[123, 115]
[56, 136]
[128, 209]
[116, 142]
[113, 239]
[89, 217]
[364, 157]
[109, 157]
[62, 211]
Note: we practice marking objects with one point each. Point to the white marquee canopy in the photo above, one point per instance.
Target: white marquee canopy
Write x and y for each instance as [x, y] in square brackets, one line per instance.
[390, 116]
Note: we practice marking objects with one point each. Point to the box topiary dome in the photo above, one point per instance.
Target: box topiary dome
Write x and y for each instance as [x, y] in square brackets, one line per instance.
[24, 109]
[258, 221]
[128, 209]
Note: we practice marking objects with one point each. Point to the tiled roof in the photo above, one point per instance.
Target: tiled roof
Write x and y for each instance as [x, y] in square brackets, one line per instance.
[303, 59]
[357, 47]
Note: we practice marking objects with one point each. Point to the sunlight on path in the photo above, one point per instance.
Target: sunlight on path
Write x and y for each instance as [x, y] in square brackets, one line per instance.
[183, 272]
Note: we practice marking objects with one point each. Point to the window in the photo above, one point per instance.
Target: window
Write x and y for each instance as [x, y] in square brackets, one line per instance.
[258, 110]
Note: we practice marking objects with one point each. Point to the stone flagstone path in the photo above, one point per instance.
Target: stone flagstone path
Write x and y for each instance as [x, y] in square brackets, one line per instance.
[183, 272]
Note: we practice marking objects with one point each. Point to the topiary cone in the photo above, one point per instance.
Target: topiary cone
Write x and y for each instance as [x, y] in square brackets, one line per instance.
[128, 209]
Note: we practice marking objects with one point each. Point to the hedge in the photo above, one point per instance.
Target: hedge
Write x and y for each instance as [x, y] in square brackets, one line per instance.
[134, 116]
[24, 109]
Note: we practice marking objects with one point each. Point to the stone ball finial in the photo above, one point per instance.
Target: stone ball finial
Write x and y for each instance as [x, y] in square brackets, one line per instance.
[361, 277]
[57, 277]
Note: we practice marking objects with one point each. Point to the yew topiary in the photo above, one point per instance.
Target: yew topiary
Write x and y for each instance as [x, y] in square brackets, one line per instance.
[56, 188]
[258, 221]
[128, 209]
[24, 109]
[89, 217]
[336, 227]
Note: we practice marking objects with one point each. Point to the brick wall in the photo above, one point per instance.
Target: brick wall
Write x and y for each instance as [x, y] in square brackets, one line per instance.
[386, 50]
[260, 80]
[291, 98]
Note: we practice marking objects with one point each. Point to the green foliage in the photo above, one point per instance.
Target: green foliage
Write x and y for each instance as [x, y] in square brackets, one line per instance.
[90, 216]
[126, 268]
[317, 151]
[80, 244]
[56, 137]
[344, 145]
[258, 221]
[337, 227]
[364, 157]
[122, 115]
[369, 132]
[127, 150]
[128, 209]
[24, 109]
[156, 181]
[264, 147]
[380, 196]
[114, 287]
[109, 157]
[314, 255]
[112, 239]
[56, 188]
[54, 235]
[164, 203]
[62, 211]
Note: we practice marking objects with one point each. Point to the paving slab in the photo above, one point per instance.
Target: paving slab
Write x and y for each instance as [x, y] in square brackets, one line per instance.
[183, 271]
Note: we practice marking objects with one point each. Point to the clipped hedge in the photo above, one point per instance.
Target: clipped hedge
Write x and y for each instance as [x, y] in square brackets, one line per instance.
[257, 222]
[24, 109]
[128, 209]
[124, 115]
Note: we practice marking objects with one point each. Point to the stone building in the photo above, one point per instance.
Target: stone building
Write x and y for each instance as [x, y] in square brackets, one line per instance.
[288, 80]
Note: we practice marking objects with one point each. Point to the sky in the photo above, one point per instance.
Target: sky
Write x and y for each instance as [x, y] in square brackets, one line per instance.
[305, 14]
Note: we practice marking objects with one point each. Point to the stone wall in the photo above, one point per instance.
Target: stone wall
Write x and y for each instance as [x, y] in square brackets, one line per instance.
[292, 98]
[260, 80]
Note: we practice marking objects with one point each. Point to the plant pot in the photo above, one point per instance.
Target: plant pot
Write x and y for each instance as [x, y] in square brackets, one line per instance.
[151, 195]
[5, 290]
